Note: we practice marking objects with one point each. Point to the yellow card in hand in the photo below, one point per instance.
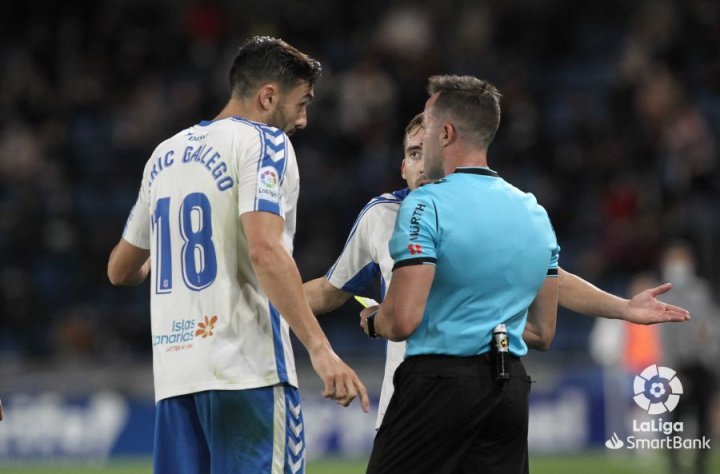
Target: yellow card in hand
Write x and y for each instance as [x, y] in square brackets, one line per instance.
[366, 302]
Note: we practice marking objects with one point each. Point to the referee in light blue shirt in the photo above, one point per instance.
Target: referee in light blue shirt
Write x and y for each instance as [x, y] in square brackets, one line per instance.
[471, 252]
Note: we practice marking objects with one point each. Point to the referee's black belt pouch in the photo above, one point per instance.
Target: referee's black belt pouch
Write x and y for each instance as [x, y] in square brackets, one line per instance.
[455, 366]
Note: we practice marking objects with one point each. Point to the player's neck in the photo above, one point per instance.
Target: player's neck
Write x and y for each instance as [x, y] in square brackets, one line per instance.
[238, 108]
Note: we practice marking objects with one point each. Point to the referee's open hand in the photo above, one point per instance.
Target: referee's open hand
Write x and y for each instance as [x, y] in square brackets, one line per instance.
[341, 382]
[645, 308]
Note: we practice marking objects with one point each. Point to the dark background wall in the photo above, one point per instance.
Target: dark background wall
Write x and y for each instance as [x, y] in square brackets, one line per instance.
[611, 116]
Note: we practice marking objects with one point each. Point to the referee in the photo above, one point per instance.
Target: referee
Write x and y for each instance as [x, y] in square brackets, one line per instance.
[471, 252]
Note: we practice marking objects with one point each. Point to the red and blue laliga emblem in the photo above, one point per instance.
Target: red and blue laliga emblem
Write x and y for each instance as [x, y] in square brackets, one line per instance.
[269, 179]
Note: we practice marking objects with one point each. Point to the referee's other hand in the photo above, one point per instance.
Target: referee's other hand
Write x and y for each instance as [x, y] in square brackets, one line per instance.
[645, 308]
[341, 382]
[364, 315]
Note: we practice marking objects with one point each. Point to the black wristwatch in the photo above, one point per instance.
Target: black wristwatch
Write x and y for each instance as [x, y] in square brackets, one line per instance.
[370, 322]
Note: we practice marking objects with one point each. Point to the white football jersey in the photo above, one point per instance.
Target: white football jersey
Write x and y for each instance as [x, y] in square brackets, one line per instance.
[366, 255]
[213, 328]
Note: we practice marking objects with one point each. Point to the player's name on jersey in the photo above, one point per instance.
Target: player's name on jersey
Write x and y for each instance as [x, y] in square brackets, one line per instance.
[204, 155]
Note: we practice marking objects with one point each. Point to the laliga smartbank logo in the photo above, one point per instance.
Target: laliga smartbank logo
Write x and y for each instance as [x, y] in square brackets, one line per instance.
[657, 390]
[184, 332]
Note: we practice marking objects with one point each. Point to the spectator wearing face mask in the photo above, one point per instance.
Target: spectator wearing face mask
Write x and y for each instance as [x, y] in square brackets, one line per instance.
[692, 349]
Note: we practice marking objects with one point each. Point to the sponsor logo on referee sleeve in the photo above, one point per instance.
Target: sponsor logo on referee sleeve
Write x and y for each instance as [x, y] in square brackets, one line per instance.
[657, 390]
[415, 249]
[415, 221]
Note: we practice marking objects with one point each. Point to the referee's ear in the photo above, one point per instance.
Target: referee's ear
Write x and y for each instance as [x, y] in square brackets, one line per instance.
[449, 134]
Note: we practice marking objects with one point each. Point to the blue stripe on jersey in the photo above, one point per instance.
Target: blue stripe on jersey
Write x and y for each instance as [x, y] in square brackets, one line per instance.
[274, 156]
[273, 153]
[295, 433]
[278, 344]
[383, 287]
[397, 199]
[362, 279]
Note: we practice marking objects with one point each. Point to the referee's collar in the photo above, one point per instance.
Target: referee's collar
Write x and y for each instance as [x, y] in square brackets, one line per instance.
[482, 170]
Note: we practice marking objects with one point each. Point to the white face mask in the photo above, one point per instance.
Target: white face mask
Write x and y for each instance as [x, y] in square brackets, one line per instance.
[677, 273]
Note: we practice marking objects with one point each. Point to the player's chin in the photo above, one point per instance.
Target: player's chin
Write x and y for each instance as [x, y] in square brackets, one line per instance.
[422, 182]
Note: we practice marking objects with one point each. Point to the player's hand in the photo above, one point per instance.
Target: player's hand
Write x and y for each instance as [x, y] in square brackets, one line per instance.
[364, 315]
[645, 308]
[341, 382]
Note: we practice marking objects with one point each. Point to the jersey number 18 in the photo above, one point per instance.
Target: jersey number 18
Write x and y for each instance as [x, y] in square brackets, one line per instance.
[197, 257]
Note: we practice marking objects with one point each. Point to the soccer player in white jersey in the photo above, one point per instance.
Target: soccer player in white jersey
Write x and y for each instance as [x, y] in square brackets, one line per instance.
[366, 256]
[215, 219]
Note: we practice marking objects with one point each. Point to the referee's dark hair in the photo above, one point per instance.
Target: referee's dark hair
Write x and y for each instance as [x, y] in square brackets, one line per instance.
[264, 59]
[473, 104]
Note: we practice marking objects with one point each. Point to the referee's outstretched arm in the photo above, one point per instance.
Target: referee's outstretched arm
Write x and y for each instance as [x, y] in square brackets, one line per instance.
[542, 316]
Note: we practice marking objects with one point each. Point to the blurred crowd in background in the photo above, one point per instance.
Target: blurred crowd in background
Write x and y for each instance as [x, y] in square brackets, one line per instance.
[611, 117]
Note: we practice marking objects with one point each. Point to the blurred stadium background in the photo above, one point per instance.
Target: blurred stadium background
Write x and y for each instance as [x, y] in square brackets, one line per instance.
[611, 116]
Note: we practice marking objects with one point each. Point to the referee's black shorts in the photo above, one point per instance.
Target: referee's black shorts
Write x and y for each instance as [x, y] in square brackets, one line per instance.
[448, 415]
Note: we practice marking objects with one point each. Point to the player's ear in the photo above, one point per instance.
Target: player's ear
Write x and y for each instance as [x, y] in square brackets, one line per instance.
[268, 97]
[402, 169]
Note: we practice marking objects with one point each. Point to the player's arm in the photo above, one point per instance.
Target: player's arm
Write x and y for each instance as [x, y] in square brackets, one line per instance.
[280, 279]
[323, 297]
[128, 265]
[402, 310]
[355, 268]
[542, 316]
[583, 297]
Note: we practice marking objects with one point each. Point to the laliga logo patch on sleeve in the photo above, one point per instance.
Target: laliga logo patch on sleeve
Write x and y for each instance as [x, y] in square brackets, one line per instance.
[268, 184]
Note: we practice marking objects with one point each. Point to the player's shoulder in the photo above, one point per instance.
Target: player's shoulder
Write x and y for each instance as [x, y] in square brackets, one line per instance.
[166, 146]
[265, 131]
[394, 198]
[386, 203]
[170, 141]
[236, 125]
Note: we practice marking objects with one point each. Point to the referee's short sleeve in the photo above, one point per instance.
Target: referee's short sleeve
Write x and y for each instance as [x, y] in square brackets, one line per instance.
[554, 266]
[414, 240]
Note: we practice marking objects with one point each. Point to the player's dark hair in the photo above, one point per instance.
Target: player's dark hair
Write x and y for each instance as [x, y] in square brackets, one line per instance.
[416, 122]
[473, 104]
[263, 59]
